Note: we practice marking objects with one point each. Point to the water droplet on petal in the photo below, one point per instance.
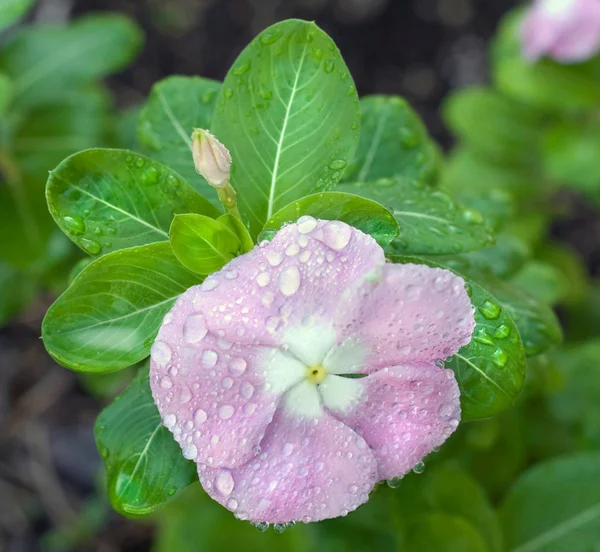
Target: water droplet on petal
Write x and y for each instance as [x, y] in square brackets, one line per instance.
[224, 483]
[194, 328]
[337, 235]
[275, 258]
[237, 366]
[160, 353]
[232, 504]
[209, 358]
[306, 224]
[289, 281]
[263, 279]
[200, 416]
[419, 468]
[226, 412]
[190, 451]
[169, 420]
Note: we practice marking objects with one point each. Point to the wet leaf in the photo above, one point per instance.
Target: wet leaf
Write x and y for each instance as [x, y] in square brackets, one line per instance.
[288, 112]
[368, 216]
[175, 107]
[106, 200]
[430, 222]
[144, 464]
[109, 316]
[393, 142]
[203, 245]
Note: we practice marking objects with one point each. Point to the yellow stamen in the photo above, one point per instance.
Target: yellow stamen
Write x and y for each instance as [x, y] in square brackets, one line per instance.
[316, 374]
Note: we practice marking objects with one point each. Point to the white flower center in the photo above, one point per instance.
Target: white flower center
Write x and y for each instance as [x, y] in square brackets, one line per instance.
[309, 369]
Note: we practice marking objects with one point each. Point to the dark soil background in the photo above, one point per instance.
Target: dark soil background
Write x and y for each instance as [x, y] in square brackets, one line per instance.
[49, 468]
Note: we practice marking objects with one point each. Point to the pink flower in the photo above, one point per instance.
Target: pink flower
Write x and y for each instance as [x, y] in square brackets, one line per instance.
[248, 372]
[566, 30]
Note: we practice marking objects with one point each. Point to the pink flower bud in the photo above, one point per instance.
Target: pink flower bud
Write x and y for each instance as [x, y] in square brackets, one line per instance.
[211, 158]
[565, 30]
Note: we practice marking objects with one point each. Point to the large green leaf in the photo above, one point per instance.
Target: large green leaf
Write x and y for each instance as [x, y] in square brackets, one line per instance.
[46, 60]
[490, 370]
[12, 10]
[288, 112]
[494, 126]
[393, 142]
[109, 316]
[430, 222]
[106, 200]
[441, 532]
[203, 245]
[144, 464]
[555, 507]
[364, 214]
[175, 107]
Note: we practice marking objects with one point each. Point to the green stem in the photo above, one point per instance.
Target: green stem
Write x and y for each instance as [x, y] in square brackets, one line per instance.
[228, 198]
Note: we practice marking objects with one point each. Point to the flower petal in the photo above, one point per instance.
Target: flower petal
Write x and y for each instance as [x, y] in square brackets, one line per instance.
[216, 397]
[263, 296]
[308, 470]
[415, 314]
[403, 413]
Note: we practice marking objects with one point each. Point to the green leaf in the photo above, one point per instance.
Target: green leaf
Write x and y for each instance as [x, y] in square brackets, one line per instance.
[448, 489]
[109, 316]
[368, 216]
[490, 370]
[538, 325]
[240, 230]
[555, 506]
[544, 282]
[5, 93]
[113, 199]
[12, 10]
[144, 464]
[46, 60]
[466, 171]
[175, 107]
[430, 222]
[288, 112]
[441, 532]
[393, 142]
[203, 245]
[493, 126]
[571, 152]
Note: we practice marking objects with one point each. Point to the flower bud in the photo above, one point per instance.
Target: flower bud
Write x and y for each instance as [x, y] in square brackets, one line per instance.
[565, 30]
[211, 158]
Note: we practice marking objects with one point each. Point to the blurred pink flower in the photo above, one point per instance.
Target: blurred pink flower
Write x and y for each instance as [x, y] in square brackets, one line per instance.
[248, 372]
[566, 30]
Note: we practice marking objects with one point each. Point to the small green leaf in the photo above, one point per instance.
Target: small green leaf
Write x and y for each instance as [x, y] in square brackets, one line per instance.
[393, 142]
[240, 230]
[555, 506]
[109, 316]
[203, 245]
[175, 107]
[368, 216]
[144, 464]
[288, 112]
[12, 10]
[490, 370]
[430, 222]
[113, 199]
[494, 126]
[442, 532]
[47, 60]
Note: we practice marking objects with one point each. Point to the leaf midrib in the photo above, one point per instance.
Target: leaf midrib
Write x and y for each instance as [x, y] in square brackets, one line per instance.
[282, 135]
